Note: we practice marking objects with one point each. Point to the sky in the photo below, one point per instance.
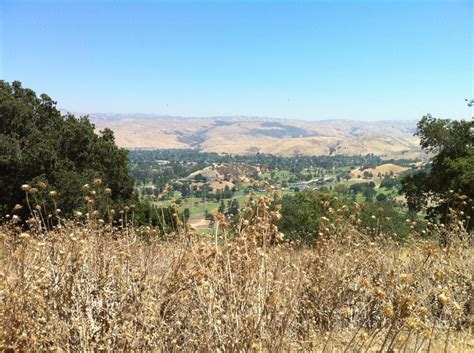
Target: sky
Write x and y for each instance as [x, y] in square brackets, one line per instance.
[312, 60]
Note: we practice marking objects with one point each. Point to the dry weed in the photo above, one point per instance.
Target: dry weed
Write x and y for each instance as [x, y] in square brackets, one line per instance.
[87, 286]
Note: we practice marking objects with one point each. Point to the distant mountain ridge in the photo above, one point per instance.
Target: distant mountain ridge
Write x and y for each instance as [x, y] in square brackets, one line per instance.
[250, 135]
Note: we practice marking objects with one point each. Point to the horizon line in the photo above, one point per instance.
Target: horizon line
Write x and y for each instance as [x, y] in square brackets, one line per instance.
[138, 115]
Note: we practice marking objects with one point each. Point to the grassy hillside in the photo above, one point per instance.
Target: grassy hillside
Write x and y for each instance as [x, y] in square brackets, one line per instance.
[247, 136]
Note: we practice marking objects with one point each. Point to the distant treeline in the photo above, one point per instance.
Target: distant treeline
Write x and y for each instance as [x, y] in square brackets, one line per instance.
[260, 159]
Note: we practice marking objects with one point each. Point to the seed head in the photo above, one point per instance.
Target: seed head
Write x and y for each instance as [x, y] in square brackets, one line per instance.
[443, 298]
[347, 312]
[388, 311]
[379, 293]
[24, 236]
[423, 311]
[412, 322]
[406, 277]
[439, 275]
[364, 282]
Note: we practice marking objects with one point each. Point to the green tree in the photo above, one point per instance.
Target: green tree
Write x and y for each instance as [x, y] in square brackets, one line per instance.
[452, 168]
[302, 212]
[341, 189]
[357, 188]
[233, 208]
[385, 217]
[381, 197]
[165, 219]
[186, 214]
[37, 142]
[221, 208]
[369, 193]
[208, 216]
[389, 182]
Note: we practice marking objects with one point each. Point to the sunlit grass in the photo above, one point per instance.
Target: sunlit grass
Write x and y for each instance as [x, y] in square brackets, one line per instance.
[89, 285]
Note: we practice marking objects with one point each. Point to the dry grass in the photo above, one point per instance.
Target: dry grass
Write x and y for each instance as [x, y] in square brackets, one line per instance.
[239, 136]
[384, 169]
[87, 286]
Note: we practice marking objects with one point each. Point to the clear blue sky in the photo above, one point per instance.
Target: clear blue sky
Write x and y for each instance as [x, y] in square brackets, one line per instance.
[368, 60]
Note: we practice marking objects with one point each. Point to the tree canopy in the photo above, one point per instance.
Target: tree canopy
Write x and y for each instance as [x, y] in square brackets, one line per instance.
[37, 142]
[451, 177]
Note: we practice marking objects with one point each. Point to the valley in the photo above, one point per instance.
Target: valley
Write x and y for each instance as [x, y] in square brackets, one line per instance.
[200, 183]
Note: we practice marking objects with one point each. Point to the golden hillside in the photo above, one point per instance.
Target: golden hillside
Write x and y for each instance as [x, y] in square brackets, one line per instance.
[384, 169]
[278, 137]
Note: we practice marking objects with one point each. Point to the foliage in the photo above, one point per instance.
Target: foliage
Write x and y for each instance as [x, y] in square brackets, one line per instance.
[367, 189]
[389, 182]
[381, 197]
[384, 217]
[186, 214]
[164, 220]
[304, 215]
[452, 167]
[302, 212]
[341, 189]
[38, 143]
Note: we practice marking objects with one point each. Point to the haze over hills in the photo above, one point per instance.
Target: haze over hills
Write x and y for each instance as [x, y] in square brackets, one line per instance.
[249, 135]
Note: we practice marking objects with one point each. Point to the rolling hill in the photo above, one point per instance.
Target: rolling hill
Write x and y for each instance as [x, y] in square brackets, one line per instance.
[250, 135]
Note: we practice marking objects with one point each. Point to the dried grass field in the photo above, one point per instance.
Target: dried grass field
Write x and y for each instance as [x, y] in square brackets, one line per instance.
[86, 285]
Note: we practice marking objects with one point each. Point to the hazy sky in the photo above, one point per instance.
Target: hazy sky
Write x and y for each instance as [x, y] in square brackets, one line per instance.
[365, 60]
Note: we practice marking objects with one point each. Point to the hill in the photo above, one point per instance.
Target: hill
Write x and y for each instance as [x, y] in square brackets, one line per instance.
[234, 173]
[250, 135]
[384, 169]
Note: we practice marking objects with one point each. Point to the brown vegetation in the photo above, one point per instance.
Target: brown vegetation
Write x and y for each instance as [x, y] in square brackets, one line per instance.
[87, 285]
[384, 169]
[227, 174]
